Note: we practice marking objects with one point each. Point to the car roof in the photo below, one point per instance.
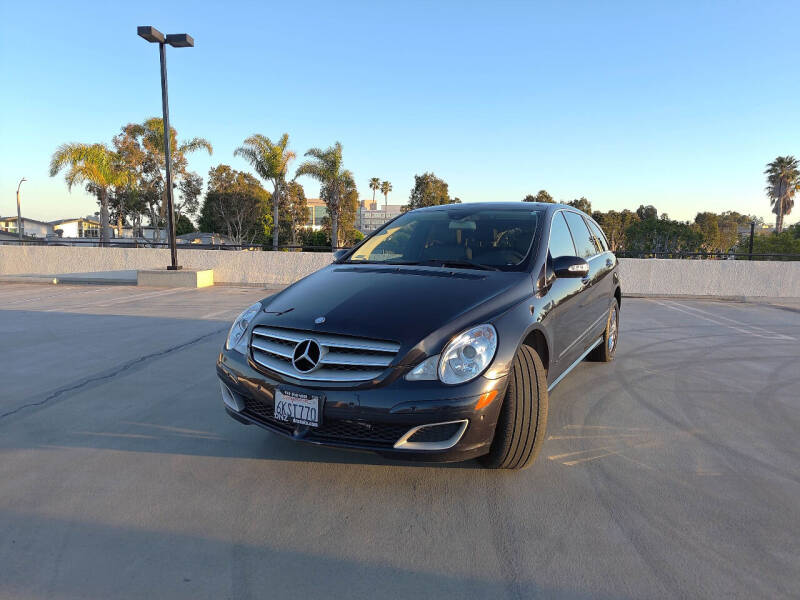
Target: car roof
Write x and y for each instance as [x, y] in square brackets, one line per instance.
[543, 206]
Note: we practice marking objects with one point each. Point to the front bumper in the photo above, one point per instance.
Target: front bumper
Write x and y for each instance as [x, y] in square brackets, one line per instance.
[375, 418]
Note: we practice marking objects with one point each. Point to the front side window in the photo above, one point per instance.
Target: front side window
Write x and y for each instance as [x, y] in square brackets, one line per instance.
[478, 238]
[584, 244]
[560, 237]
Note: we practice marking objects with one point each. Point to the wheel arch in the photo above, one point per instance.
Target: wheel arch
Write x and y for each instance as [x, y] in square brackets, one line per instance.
[537, 340]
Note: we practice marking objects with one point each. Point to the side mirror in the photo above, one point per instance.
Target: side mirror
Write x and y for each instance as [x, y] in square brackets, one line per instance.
[570, 266]
[337, 254]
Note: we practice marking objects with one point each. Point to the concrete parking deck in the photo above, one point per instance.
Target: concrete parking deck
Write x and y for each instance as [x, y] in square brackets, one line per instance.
[670, 473]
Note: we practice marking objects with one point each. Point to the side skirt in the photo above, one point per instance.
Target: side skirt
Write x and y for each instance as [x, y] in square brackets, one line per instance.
[575, 364]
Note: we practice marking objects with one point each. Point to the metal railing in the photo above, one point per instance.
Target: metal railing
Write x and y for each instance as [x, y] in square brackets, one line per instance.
[144, 243]
[709, 255]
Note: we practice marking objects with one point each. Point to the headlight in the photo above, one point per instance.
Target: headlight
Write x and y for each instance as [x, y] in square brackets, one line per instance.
[463, 359]
[236, 336]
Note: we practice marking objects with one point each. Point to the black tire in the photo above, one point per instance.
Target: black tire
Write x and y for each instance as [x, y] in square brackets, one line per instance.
[522, 423]
[605, 351]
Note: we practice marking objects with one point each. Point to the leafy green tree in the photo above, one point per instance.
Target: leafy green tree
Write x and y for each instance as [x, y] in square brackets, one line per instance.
[386, 187]
[785, 242]
[651, 235]
[271, 162]
[581, 204]
[295, 211]
[730, 224]
[237, 205]
[348, 234]
[708, 225]
[141, 146]
[315, 239]
[188, 202]
[428, 190]
[126, 202]
[783, 180]
[374, 185]
[326, 167]
[646, 212]
[614, 225]
[183, 224]
[541, 196]
[96, 166]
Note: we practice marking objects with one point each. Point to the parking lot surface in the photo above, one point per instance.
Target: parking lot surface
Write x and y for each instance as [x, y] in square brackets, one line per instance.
[669, 473]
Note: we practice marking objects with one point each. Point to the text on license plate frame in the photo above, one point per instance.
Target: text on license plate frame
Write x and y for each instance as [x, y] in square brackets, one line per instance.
[298, 408]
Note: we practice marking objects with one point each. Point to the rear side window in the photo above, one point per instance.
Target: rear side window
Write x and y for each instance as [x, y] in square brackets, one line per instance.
[599, 238]
[584, 243]
[560, 238]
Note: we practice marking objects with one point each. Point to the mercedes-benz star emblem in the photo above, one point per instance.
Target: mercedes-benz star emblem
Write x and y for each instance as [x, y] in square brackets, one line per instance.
[306, 356]
[319, 320]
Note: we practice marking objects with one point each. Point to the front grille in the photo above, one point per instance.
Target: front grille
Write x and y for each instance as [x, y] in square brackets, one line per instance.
[342, 358]
[354, 432]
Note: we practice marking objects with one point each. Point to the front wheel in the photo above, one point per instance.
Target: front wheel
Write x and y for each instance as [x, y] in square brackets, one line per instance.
[521, 427]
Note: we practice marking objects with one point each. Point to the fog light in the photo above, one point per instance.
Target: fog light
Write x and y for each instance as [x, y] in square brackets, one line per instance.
[433, 436]
[231, 398]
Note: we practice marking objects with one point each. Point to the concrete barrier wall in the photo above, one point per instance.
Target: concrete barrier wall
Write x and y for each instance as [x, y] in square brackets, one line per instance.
[713, 278]
[231, 267]
[642, 277]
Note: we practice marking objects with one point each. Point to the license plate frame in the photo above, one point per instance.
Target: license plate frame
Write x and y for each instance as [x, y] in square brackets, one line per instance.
[298, 408]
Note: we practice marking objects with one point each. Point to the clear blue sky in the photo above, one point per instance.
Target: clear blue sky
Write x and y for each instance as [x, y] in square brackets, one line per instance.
[679, 105]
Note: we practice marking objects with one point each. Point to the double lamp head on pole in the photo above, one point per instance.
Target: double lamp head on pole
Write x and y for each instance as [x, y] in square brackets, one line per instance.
[176, 40]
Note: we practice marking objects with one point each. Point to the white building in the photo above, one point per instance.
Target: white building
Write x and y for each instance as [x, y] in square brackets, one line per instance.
[147, 232]
[30, 227]
[76, 228]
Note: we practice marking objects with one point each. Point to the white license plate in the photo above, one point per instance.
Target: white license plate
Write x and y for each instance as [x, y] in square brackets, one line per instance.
[297, 407]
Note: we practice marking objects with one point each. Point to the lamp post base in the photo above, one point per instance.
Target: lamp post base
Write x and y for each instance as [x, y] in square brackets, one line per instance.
[174, 267]
[191, 278]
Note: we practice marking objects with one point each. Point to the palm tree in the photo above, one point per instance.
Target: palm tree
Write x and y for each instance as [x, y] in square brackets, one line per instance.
[326, 167]
[152, 134]
[95, 165]
[374, 185]
[783, 180]
[271, 162]
[386, 187]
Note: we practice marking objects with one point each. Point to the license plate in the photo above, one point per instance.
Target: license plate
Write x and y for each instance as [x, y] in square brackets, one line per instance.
[297, 407]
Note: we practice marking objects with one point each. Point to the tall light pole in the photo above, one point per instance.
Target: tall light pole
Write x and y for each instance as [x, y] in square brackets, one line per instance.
[20, 226]
[176, 40]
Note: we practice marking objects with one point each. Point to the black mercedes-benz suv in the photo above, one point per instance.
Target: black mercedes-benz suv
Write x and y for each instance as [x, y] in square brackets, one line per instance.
[438, 337]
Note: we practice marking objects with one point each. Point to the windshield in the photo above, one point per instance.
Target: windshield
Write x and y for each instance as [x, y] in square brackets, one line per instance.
[480, 239]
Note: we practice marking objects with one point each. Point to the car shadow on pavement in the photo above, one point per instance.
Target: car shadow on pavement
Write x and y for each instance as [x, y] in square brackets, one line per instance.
[117, 555]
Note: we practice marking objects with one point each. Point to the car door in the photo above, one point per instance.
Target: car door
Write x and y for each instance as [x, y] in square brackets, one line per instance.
[568, 319]
[605, 263]
[592, 299]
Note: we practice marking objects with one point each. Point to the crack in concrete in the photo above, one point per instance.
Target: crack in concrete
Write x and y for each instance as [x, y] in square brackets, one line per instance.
[113, 373]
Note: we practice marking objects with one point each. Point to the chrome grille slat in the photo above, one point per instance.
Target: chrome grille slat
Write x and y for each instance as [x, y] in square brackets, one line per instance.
[324, 339]
[344, 358]
[322, 374]
[336, 358]
[272, 348]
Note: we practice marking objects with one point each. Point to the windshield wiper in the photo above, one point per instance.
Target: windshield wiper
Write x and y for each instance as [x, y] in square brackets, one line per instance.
[466, 264]
[433, 262]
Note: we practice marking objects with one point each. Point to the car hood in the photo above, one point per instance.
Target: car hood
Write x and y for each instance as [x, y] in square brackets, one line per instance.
[405, 304]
